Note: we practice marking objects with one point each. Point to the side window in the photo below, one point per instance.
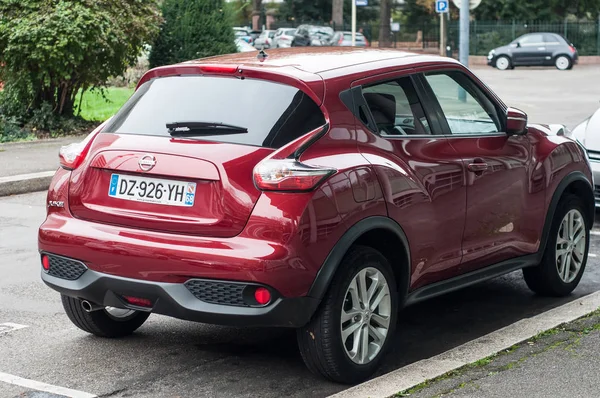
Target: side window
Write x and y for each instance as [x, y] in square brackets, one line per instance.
[532, 40]
[466, 108]
[396, 108]
[551, 40]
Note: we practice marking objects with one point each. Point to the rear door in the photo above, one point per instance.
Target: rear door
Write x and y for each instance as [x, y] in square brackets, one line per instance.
[503, 209]
[137, 175]
[420, 173]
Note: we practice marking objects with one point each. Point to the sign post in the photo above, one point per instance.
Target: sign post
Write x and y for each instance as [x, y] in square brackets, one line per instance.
[356, 3]
[441, 7]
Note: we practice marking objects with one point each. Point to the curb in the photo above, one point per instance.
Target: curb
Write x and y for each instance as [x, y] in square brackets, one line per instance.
[416, 373]
[25, 183]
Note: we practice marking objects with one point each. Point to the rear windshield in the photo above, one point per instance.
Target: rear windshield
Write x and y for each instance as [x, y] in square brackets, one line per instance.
[274, 114]
[359, 37]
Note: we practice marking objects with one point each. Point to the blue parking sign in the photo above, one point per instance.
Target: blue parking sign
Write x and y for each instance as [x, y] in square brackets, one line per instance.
[361, 3]
[441, 6]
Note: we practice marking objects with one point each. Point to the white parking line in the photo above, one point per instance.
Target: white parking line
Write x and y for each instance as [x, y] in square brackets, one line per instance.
[595, 233]
[10, 327]
[592, 255]
[39, 386]
[418, 372]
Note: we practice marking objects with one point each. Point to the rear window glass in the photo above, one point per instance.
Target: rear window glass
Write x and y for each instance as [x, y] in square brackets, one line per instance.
[274, 114]
[348, 37]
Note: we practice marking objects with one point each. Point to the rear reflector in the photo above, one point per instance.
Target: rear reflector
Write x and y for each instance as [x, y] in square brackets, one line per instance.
[45, 262]
[140, 302]
[288, 175]
[262, 295]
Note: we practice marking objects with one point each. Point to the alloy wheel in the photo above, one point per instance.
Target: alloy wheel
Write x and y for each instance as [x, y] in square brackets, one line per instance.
[570, 246]
[119, 313]
[502, 63]
[562, 63]
[366, 314]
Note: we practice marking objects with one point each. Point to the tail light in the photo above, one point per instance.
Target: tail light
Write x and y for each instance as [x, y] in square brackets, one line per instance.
[72, 155]
[366, 42]
[572, 49]
[341, 40]
[288, 175]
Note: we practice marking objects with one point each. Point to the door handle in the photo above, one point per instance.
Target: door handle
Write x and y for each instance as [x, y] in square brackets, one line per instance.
[541, 48]
[477, 167]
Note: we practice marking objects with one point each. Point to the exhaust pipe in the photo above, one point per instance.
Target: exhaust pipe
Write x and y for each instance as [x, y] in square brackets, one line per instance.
[90, 307]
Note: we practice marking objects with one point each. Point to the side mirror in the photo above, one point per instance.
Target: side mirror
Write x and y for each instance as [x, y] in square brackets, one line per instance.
[516, 122]
[518, 44]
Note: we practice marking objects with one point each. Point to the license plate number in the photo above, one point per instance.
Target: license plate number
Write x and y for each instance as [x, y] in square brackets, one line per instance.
[152, 190]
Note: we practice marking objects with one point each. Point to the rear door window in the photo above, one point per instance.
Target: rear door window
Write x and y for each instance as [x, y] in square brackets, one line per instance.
[274, 114]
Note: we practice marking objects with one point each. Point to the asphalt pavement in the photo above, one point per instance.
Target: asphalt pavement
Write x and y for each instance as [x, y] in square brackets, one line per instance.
[172, 358]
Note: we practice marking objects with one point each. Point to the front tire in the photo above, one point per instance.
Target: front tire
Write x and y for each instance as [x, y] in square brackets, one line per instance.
[503, 63]
[566, 252]
[108, 322]
[349, 335]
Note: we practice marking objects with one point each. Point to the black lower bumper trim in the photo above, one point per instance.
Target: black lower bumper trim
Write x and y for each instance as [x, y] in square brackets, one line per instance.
[175, 300]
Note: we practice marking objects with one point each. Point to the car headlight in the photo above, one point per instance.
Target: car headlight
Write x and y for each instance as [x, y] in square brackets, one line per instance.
[491, 54]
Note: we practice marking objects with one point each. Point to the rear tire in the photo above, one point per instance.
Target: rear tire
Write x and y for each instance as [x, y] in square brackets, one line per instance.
[562, 62]
[558, 275]
[100, 323]
[321, 344]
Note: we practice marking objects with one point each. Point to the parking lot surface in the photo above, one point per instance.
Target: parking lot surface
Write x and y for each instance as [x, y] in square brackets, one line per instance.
[172, 358]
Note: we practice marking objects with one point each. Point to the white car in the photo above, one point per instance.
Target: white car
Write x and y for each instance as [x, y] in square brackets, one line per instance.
[265, 40]
[243, 46]
[283, 37]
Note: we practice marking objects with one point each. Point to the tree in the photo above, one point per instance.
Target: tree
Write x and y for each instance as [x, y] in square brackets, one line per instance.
[51, 49]
[556, 10]
[192, 29]
[385, 29]
[337, 12]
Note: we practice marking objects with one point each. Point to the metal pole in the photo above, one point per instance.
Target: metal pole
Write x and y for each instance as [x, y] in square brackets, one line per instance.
[442, 34]
[463, 49]
[598, 35]
[353, 23]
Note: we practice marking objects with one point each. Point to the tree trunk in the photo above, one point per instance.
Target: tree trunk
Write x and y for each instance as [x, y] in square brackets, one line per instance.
[337, 14]
[384, 29]
[256, 11]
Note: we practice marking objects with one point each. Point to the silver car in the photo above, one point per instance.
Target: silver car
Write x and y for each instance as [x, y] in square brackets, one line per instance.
[265, 40]
[344, 39]
[283, 37]
[588, 134]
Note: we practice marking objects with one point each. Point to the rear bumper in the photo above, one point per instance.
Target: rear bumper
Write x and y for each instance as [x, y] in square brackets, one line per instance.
[175, 300]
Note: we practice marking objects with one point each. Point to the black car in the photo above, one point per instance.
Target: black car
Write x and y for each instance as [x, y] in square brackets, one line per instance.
[310, 35]
[535, 49]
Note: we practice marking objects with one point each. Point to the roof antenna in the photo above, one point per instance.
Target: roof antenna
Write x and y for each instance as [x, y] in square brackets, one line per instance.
[262, 55]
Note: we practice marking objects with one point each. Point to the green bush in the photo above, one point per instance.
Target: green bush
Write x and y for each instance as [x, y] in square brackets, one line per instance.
[192, 29]
[50, 49]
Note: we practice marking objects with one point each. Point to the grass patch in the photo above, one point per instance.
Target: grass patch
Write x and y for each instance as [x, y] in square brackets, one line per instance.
[100, 104]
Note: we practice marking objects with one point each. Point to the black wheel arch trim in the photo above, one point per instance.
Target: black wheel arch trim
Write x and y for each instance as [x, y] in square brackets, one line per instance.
[560, 190]
[336, 255]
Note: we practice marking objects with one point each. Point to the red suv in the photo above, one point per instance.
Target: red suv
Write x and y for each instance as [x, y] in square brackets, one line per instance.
[321, 190]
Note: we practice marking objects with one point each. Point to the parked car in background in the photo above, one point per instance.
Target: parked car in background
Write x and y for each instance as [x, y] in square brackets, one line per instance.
[310, 35]
[283, 37]
[265, 40]
[244, 34]
[243, 46]
[588, 134]
[344, 39]
[254, 34]
[324, 193]
[535, 49]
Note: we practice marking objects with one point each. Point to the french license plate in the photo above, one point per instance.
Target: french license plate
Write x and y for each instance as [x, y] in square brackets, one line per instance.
[152, 190]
